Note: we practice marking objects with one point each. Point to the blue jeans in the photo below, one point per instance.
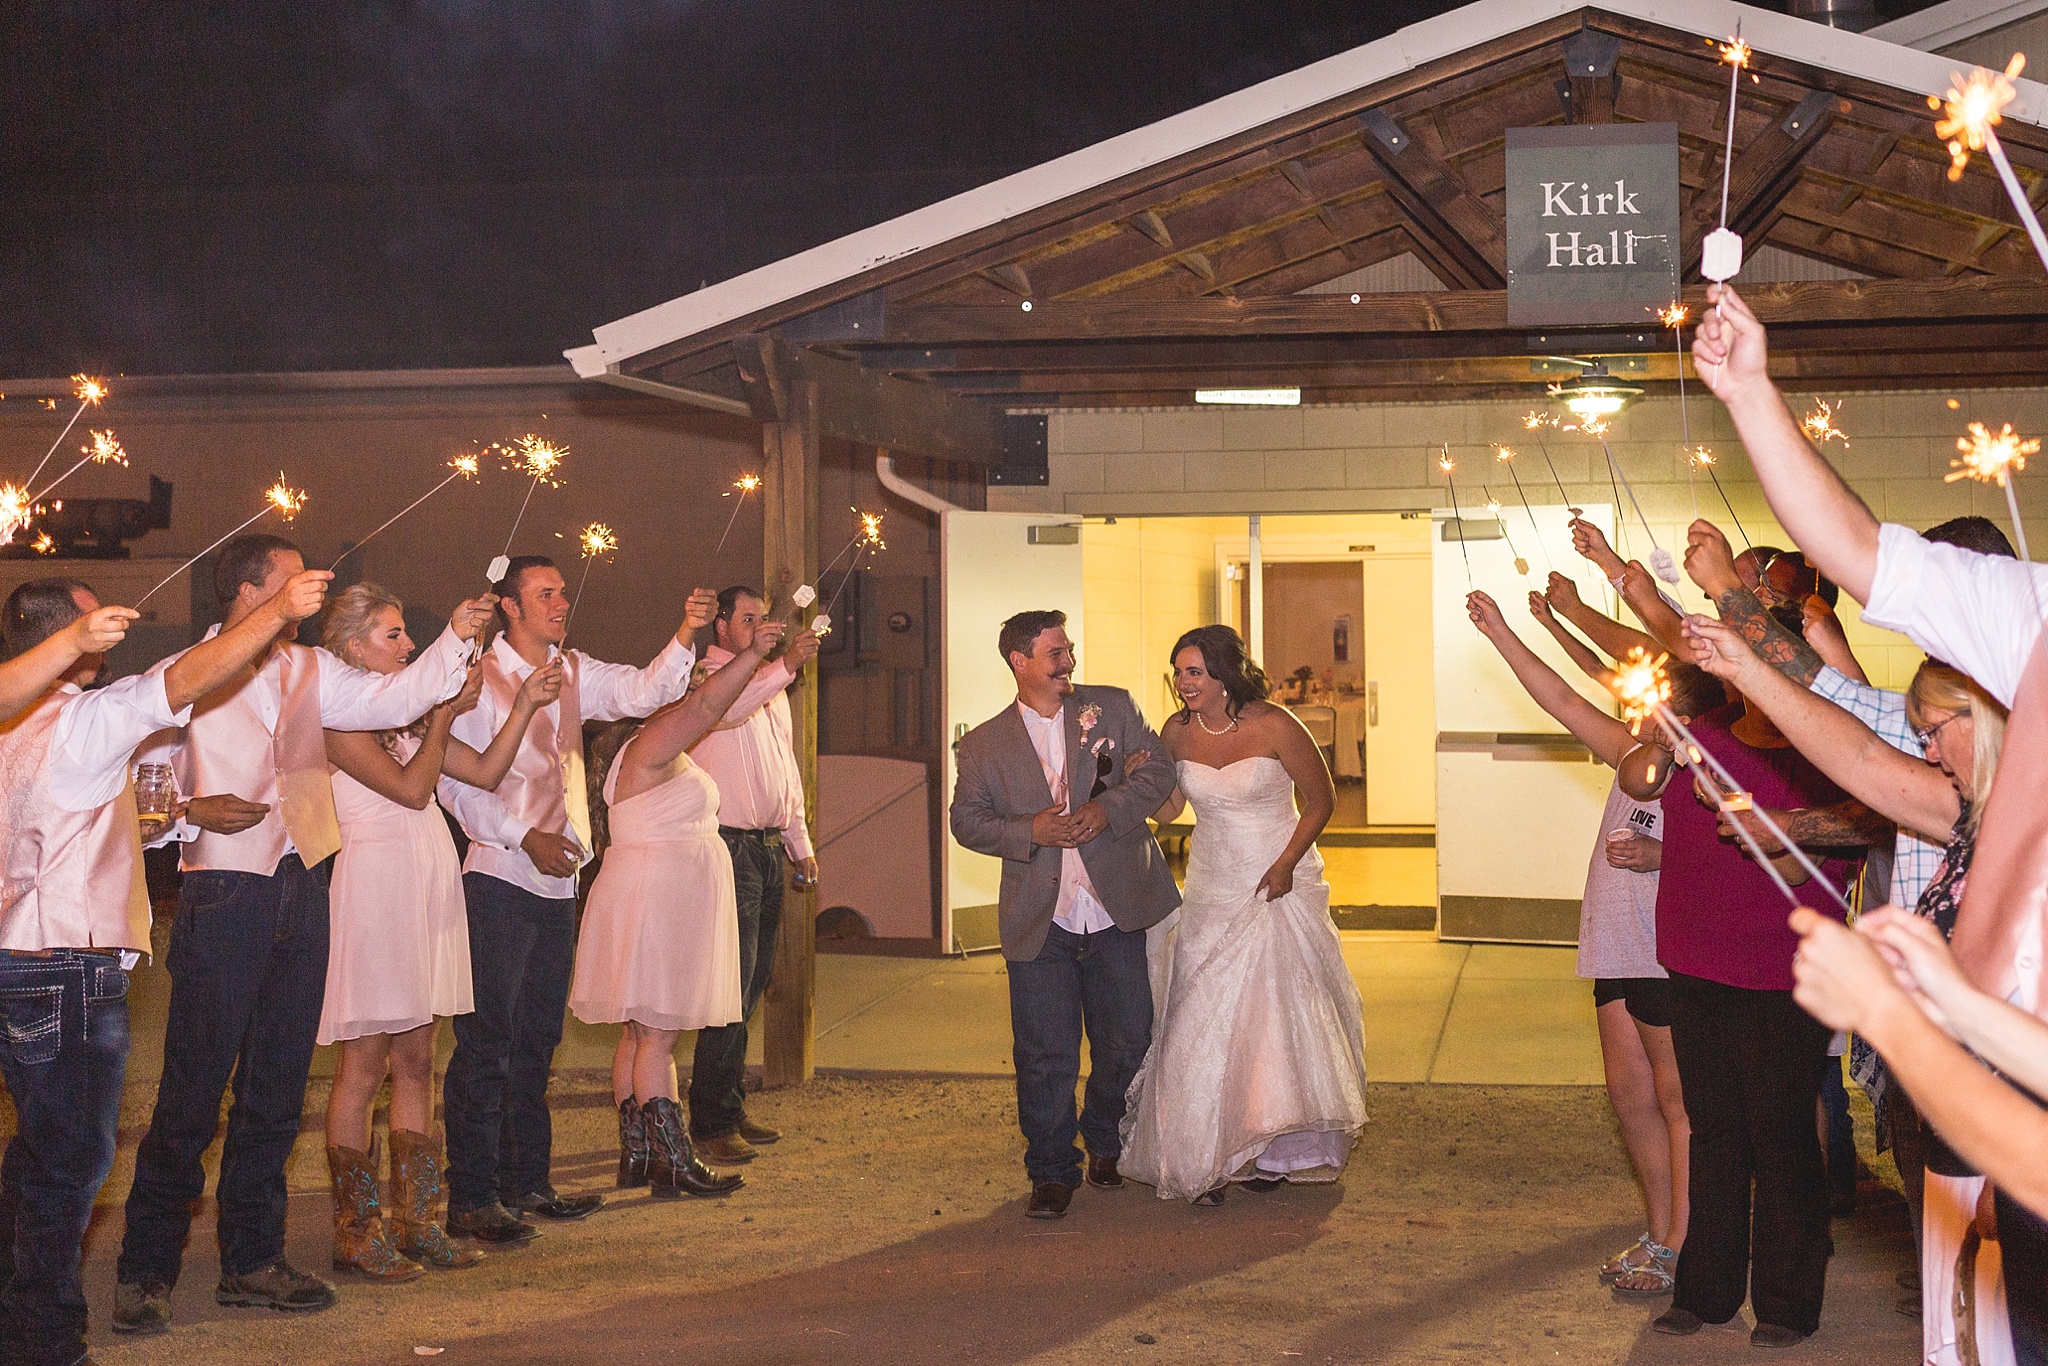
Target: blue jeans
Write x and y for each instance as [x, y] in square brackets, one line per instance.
[248, 963]
[1094, 980]
[494, 1099]
[65, 1047]
[718, 1075]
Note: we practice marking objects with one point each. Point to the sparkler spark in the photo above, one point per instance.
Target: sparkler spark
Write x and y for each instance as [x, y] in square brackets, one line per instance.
[16, 507]
[1735, 52]
[746, 484]
[1642, 685]
[88, 390]
[597, 539]
[44, 545]
[1975, 105]
[536, 456]
[1988, 456]
[1535, 421]
[286, 500]
[105, 448]
[1820, 425]
[871, 530]
[1674, 314]
[468, 465]
[1701, 456]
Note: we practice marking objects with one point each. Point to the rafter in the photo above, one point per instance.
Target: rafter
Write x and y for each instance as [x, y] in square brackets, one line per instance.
[1465, 237]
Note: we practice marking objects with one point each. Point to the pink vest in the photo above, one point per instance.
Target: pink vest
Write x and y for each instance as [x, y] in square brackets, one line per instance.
[73, 879]
[1999, 930]
[228, 749]
[544, 788]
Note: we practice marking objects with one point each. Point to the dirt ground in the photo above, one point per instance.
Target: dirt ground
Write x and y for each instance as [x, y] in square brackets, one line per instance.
[888, 1226]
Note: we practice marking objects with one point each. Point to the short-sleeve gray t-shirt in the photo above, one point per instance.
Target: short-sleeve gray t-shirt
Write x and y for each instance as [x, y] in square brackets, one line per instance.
[1618, 919]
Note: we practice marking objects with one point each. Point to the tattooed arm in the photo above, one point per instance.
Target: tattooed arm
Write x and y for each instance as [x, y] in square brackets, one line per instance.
[1710, 560]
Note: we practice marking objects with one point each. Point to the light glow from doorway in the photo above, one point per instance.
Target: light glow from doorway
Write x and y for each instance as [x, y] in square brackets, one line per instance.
[1253, 398]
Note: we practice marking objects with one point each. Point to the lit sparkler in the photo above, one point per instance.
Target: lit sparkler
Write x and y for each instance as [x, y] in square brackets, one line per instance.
[104, 449]
[867, 538]
[465, 466]
[1660, 559]
[1506, 456]
[1993, 458]
[45, 544]
[89, 392]
[1974, 109]
[1535, 422]
[741, 486]
[596, 541]
[1643, 687]
[1703, 457]
[1820, 425]
[1445, 463]
[1721, 250]
[540, 458]
[16, 507]
[1493, 508]
[280, 498]
[1674, 316]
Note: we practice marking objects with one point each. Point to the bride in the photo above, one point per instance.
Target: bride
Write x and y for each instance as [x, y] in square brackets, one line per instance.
[1256, 1072]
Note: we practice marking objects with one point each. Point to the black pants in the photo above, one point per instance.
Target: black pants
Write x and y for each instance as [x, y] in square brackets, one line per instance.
[718, 1074]
[494, 1098]
[248, 963]
[1098, 980]
[2023, 1253]
[63, 1050]
[1750, 1063]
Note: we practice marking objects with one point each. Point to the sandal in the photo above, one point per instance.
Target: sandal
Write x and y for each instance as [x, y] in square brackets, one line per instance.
[1628, 1259]
[1653, 1279]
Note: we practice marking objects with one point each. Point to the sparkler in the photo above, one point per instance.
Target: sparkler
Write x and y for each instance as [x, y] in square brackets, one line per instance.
[1644, 689]
[1673, 315]
[540, 458]
[1445, 464]
[88, 391]
[743, 486]
[1820, 427]
[1506, 456]
[1974, 109]
[596, 540]
[1493, 507]
[1993, 458]
[16, 507]
[1721, 251]
[104, 449]
[45, 544]
[1536, 422]
[280, 498]
[1660, 558]
[465, 466]
[1703, 456]
[869, 537]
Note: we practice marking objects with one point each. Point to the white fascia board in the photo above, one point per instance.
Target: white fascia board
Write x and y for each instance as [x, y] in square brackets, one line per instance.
[1952, 21]
[1771, 34]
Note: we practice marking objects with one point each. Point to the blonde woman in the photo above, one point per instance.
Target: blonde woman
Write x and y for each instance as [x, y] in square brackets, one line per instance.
[398, 946]
[659, 950]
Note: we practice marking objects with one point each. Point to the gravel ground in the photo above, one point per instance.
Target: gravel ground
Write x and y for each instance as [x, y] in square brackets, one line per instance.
[888, 1226]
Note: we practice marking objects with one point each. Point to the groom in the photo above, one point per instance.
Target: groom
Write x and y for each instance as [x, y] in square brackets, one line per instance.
[1044, 786]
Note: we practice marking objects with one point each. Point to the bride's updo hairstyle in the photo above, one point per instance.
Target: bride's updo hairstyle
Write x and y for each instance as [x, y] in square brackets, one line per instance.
[1244, 682]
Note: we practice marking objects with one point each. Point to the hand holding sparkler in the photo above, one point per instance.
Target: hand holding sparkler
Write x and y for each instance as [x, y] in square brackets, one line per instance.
[101, 629]
[700, 611]
[1710, 560]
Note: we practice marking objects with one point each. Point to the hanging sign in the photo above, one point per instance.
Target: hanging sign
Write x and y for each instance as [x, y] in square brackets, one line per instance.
[1592, 214]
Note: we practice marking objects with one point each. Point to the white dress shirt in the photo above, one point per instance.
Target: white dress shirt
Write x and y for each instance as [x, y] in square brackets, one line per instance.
[1078, 910]
[605, 692]
[1976, 612]
[97, 734]
[751, 757]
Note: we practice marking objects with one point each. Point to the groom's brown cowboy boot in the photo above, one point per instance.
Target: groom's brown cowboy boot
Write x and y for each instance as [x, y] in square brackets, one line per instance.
[1102, 1172]
[1049, 1200]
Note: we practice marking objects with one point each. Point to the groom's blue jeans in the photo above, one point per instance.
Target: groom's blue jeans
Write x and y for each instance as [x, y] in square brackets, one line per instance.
[1098, 979]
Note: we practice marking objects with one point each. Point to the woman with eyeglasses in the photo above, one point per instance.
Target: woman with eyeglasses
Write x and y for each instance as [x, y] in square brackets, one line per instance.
[1963, 730]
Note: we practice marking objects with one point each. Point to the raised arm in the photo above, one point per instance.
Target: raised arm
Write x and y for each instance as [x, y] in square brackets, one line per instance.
[1608, 634]
[1608, 738]
[31, 673]
[612, 692]
[1576, 650]
[676, 727]
[352, 699]
[486, 769]
[1898, 786]
[1824, 518]
[1710, 563]
[211, 663]
[1664, 621]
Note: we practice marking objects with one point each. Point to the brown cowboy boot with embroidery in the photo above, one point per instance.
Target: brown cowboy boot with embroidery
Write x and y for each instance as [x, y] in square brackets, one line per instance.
[415, 1197]
[360, 1244]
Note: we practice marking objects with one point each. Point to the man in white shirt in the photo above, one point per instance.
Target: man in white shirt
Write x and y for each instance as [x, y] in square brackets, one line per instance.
[248, 954]
[751, 758]
[74, 917]
[527, 839]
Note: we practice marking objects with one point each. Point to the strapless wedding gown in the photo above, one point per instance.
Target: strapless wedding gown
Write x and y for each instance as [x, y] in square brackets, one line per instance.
[1257, 1063]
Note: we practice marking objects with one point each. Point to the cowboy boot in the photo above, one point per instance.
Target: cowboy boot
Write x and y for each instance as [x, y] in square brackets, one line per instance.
[632, 1145]
[360, 1244]
[415, 1191]
[672, 1166]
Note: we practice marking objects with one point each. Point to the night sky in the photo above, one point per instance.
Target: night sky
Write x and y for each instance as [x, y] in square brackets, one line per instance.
[193, 189]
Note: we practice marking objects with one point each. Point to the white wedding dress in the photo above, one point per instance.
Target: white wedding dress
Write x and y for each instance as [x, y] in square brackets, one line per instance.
[1257, 1064]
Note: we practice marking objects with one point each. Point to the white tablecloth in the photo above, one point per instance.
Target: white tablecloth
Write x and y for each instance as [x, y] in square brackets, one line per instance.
[1349, 732]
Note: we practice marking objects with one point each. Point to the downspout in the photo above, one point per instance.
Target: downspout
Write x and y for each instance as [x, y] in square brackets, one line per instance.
[885, 470]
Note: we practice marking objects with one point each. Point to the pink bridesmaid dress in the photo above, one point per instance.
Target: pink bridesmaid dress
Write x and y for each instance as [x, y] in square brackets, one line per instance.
[660, 943]
[398, 936]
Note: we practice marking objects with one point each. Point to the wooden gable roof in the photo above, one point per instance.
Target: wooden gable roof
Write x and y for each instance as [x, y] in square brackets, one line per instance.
[1190, 271]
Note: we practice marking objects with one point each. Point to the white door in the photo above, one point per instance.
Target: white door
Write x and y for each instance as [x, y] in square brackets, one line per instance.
[990, 570]
[1400, 706]
[1518, 800]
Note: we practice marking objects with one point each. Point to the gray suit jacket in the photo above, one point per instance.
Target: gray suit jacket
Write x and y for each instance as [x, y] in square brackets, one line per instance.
[1001, 786]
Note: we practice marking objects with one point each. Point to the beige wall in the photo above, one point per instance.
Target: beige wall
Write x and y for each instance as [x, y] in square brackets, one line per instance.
[1146, 580]
[1382, 458]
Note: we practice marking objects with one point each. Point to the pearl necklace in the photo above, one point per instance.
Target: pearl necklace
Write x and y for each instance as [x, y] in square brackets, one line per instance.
[1205, 725]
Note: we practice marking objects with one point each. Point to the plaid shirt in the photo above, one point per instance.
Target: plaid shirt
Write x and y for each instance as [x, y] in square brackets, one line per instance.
[1913, 859]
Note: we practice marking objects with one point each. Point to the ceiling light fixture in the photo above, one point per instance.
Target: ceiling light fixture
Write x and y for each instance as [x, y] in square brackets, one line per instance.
[1595, 395]
[1254, 398]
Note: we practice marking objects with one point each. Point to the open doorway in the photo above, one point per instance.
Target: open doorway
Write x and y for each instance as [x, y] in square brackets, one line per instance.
[1343, 628]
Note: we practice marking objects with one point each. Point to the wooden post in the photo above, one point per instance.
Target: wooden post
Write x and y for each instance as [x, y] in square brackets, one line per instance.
[789, 553]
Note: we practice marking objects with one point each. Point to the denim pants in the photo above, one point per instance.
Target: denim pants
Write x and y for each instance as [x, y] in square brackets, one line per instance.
[1094, 980]
[248, 964]
[65, 1047]
[494, 1098]
[718, 1075]
[1750, 1063]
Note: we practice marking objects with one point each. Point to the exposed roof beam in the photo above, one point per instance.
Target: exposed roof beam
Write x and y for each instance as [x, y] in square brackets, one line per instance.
[1460, 230]
[867, 407]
